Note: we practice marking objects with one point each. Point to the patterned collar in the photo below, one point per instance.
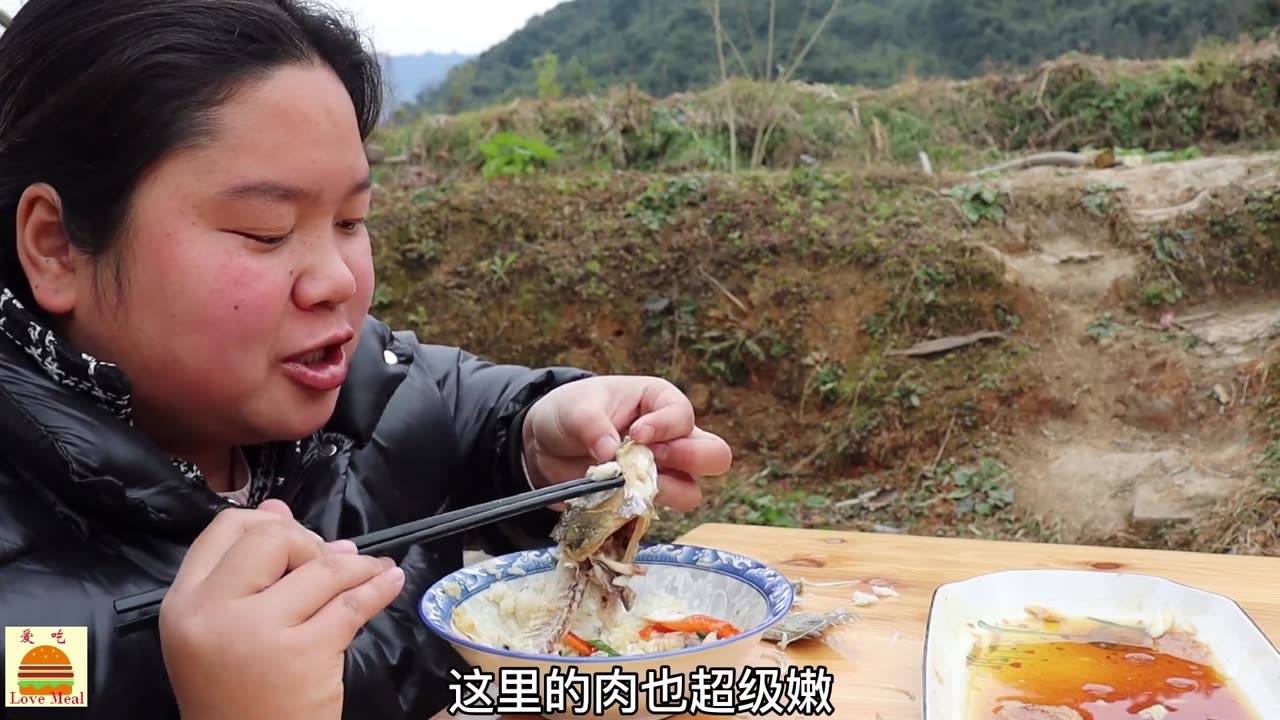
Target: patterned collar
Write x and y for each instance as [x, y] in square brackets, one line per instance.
[270, 465]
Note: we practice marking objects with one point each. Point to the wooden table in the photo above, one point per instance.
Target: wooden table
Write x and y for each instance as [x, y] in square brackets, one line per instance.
[876, 659]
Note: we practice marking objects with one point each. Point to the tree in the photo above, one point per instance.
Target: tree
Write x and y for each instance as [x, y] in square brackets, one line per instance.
[577, 79]
[763, 130]
[546, 66]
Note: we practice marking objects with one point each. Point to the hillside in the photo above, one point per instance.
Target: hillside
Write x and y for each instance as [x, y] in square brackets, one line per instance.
[668, 46]
[1218, 98]
[1074, 354]
[407, 76]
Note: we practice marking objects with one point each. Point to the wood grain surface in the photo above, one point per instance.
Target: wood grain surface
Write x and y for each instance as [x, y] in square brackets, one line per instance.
[876, 659]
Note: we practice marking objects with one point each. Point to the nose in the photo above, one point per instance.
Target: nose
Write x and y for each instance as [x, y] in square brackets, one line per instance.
[325, 276]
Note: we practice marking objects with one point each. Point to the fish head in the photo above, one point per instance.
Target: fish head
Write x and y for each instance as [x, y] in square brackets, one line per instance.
[611, 522]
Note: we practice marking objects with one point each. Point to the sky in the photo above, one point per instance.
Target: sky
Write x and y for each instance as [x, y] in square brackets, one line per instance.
[403, 27]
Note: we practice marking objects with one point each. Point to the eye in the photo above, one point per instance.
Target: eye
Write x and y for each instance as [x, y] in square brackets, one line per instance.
[351, 225]
[266, 239]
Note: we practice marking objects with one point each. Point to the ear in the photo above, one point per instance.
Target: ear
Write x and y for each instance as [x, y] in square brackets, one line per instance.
[45, 251]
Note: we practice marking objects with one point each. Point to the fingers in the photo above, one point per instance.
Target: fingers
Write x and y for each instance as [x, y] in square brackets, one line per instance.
[276, 507]
[669, 414]
[678, 491]
[342, 617]
[560, 469]
[589, 426]
[682, 460]
[701, 454]
[556, 470]
[666, 423]
[302, 593]
[261, 556]
[227, 528]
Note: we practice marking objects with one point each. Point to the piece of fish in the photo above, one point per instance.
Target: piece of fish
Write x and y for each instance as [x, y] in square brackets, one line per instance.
[801, 625]
[599, 534]
[1022, 711]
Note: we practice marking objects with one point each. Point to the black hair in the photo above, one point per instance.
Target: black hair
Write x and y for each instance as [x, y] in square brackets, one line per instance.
[93, 93]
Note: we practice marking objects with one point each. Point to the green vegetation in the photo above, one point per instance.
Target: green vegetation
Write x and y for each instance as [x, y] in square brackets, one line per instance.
[611, 252]
[1237, 244]
[667, 46]
[507, 154]
[773, 249]
[1168, 110]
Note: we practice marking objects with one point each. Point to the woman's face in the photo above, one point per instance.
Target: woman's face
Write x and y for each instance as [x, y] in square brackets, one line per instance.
[246, 271]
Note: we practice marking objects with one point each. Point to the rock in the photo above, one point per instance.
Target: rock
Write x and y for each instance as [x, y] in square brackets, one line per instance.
[700, 397]
[1080, 257]
[1157, 402]
[375, 153]
[1222, 394]
[1080, 283]
[1242, 329]
[1018, 239]
[1101, 490]
[1011, 276]
[1177, 497]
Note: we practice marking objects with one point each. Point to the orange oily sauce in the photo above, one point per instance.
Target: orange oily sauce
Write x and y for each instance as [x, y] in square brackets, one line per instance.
[1100, 681]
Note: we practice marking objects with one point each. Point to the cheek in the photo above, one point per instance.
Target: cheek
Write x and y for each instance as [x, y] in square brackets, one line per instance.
[360, 260]
[222, 301]
[249, 297]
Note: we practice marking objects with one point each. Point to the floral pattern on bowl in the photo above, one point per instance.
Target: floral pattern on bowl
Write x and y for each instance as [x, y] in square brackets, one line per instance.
[738, 589]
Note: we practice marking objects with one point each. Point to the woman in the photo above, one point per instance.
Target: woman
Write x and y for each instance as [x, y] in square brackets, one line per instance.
[190, 387]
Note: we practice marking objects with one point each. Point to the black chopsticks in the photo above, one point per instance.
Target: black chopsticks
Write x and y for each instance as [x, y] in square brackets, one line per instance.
[420, 531]
[450, 523]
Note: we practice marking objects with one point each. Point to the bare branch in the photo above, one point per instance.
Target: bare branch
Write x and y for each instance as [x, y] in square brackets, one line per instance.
[765, 130]
[714, 8]
[812, 39]
[725, 39]
[742, 62]
[773, 21]
[751, 31]
[804, 19]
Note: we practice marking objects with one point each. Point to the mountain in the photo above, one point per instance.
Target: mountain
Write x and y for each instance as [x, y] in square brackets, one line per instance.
[667, 46]
[409, 75]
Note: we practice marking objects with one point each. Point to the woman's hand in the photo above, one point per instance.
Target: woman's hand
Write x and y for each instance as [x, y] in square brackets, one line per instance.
[261, 613]
[581, 424]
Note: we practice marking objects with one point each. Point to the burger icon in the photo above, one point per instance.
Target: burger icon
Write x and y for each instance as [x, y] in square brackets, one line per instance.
[45, 670]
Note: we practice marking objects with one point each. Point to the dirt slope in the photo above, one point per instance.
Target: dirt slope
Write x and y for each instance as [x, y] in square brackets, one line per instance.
[1112, 384]
[1159, 425]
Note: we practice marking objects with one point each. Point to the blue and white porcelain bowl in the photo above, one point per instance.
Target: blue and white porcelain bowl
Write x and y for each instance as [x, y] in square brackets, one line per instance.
[486, 609]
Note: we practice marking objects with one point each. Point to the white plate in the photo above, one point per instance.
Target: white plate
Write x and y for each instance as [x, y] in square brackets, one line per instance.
[1241, 652]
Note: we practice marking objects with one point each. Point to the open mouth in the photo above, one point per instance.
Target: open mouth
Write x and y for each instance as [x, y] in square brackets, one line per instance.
[324, 356]
[324, 369]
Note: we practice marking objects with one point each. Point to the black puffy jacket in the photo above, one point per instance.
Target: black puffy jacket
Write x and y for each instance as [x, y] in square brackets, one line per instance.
[91, 512]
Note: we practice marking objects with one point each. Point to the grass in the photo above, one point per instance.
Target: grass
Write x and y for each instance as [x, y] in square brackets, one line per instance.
[1224, 97]
[775, 298]
[721, 281]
